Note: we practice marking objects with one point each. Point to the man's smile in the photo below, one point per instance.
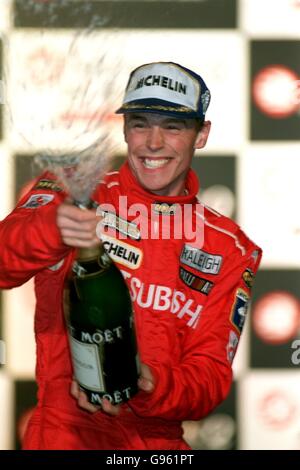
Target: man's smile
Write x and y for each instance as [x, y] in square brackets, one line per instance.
[153, 163]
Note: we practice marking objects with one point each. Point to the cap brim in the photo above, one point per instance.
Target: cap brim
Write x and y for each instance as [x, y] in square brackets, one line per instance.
[159, 107]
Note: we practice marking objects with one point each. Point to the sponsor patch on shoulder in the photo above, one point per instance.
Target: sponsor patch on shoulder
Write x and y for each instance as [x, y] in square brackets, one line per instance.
[239, 309]
[37, 200]
[201, 260]
[123, 226]
[48, 184]
[164, 208]
[194, 282]
[248, 277]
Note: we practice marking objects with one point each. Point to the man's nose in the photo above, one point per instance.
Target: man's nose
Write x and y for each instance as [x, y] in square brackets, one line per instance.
[155, 138]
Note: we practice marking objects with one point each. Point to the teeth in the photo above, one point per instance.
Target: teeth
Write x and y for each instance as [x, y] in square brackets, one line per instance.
[155, 163]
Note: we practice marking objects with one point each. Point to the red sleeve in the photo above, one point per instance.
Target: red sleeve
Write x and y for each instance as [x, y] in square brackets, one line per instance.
[202, 379]
[30, 240]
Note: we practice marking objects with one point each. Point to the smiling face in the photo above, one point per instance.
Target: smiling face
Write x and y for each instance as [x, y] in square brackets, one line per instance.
[160, 150]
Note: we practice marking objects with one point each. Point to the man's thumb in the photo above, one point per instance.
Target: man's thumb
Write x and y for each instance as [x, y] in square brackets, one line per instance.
[145, 385]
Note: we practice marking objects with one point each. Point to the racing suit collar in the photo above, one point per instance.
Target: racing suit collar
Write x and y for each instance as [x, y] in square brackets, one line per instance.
[137, 193]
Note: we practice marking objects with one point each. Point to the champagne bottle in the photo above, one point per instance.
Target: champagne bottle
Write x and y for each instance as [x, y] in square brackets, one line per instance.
[101, 329]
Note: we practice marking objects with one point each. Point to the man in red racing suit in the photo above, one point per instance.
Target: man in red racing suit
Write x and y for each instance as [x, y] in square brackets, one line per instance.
[190, 298]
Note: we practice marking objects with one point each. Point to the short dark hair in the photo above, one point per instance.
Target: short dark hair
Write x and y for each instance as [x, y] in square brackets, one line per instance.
[199, 124]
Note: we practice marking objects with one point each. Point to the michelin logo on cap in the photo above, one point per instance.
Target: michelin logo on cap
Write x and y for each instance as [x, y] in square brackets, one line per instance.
[166, 88]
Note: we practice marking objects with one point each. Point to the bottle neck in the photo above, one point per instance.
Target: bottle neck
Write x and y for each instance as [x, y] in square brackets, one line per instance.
[84, 204]
[86, 254]
[93, 256]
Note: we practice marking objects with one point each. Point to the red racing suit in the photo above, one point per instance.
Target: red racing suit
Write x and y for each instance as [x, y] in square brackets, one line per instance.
[190, 301]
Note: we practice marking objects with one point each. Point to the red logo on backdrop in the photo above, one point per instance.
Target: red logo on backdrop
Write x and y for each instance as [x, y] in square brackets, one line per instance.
[45, 67]
[277, 409]
[276, 317]
[276, 91]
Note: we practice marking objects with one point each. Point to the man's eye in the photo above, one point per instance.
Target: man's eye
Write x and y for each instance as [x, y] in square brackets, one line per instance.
[138, 125]
[173, 127]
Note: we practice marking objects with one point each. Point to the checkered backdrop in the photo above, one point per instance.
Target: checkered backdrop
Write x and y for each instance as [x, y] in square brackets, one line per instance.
[51, 52]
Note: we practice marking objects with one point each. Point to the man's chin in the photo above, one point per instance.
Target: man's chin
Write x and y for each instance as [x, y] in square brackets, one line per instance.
[151, 186]
[157, 190]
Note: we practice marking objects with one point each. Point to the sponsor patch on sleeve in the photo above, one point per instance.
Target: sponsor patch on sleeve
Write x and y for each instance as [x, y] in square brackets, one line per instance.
[239, 309]
[195, 282]
[232, 345]
[37, 200]
[248, 277]
[48, 184]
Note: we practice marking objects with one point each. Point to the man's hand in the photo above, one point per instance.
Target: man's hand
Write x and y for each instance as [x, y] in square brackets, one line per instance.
[77, 226]
[145, 383]
[146, 380]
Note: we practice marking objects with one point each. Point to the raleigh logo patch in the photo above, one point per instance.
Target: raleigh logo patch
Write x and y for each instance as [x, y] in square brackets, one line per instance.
[121, 225]
[48, 184]
[122, 252]
[200, 260]
[164, 208]
[239, 309]
[194, 282]
[37, 200]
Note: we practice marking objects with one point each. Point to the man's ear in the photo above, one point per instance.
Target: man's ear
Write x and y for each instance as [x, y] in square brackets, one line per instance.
[202, 136]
